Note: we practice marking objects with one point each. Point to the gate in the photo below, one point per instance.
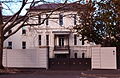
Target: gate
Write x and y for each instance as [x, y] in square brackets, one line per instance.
[70, 63]
[104, 58]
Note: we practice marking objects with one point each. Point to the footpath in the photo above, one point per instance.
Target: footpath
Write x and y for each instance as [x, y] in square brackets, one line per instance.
[92, 73]
[106, 73]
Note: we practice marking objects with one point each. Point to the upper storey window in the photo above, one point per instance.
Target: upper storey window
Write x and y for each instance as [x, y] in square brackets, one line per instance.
[75, 19]
[47, 19]
[75, 39]
[47, 39]
[23, 30]
[39, 18]
[60, 19]
[39, 39]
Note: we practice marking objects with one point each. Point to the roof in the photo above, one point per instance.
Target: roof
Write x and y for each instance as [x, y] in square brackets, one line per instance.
[51, 6]
[6, 18]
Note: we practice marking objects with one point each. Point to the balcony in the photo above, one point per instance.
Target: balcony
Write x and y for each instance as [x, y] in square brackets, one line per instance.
[61, 48]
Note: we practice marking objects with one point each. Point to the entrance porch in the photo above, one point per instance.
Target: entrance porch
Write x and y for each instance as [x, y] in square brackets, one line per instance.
[61, 46]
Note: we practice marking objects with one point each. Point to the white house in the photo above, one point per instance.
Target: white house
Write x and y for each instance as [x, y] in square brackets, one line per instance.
[56, 33]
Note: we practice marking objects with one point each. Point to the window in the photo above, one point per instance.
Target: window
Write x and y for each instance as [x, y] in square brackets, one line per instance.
[75, 55]
[46, 19]
[39, 19]
[61, 41]
[60, 19]
[39, 40]
[47, 39]
[75, 19]
[23, 31]
[75, 39]
[10, 45]
[23, 45]
[10, 31]
[83, 55]
[83, 40]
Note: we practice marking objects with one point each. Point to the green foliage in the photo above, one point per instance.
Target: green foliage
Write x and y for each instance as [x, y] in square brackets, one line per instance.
[101, 24]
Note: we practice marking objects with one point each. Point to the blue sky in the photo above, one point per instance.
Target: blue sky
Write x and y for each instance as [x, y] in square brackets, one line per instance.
[14, 7]
[9, 8]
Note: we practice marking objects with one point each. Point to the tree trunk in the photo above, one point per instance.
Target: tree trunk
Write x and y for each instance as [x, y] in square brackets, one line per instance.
[1, 37]
[1, 47]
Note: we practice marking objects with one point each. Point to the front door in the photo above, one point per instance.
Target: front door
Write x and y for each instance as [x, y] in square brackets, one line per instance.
[61, 41]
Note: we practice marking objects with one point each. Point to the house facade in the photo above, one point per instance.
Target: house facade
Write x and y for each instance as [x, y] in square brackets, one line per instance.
[56, 32]
[50, 35]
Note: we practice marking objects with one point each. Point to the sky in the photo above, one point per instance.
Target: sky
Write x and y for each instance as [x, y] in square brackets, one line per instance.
[9, 8]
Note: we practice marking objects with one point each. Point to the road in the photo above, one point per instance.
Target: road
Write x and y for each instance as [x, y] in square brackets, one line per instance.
[61, 74]
[34, 75]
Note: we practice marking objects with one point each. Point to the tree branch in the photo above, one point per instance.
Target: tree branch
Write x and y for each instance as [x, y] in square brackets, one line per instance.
[16, 18]
[5, 37]
[48, 15]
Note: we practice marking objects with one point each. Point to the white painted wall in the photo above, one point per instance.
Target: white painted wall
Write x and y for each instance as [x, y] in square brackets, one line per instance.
[82, 49]
[104, 58]
[96, 62]
[31, 37]
[32, 33]
[25, 58]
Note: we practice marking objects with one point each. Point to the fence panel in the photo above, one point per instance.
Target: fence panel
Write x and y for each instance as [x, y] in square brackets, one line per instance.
[25, 58]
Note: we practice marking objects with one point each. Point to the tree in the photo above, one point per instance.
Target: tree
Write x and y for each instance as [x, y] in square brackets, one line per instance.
[85, 14]
[103, 26]
[19, 21]
[13, 21]
[1, 38]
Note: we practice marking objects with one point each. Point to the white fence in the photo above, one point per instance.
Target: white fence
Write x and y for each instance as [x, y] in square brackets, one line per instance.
[101, 57]
[87, 50]
[104, 58]
[25, 58]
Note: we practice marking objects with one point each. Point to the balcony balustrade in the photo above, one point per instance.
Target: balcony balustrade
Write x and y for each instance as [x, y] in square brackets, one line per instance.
[60, 48]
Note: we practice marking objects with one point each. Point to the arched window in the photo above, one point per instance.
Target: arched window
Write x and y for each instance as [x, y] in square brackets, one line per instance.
[75, 55]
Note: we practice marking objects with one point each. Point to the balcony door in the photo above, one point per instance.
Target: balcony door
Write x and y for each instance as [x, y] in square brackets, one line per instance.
[61, 41]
